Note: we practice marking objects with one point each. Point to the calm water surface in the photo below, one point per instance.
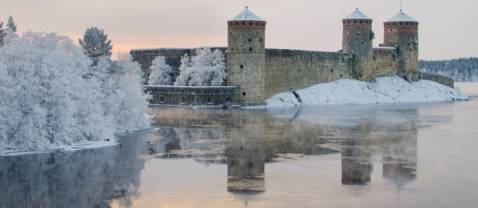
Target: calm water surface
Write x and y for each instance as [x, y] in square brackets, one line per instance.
[344, 156]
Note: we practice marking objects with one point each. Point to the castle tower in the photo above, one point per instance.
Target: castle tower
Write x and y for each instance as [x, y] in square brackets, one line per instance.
[246, 56]
[357, 40]
[401, 31]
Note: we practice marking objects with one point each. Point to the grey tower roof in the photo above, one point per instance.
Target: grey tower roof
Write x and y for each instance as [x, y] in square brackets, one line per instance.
[357, 15]
[247, 15]
[402, 17]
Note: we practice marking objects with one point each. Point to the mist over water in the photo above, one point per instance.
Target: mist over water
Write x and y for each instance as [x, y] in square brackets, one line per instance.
[420, 155]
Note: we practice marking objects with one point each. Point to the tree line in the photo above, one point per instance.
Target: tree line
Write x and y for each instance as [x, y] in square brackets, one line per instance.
[461, 69]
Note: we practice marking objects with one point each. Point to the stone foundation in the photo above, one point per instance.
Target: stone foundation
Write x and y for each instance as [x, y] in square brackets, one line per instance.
[194, 96]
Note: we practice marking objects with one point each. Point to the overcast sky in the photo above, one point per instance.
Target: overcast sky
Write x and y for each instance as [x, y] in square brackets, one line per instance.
[448, 28]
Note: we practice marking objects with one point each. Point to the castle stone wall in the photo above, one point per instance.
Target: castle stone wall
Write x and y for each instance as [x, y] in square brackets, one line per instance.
[403, 36]
[246, 59]
[382, 62]
[444, 80]
[288, 70]
[193, 96]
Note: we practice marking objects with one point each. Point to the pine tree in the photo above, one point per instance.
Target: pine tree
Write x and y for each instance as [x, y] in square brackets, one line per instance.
[95, 44]
[160, 72]
[12, 27]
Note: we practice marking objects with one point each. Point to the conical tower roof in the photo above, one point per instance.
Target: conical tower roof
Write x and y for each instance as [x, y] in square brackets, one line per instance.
[357, 15]
[402, 17]
[247, 15]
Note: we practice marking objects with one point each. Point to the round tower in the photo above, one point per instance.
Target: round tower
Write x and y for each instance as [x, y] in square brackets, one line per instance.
[401, 31]
[357, 34]
[246, 55]
[357, 40]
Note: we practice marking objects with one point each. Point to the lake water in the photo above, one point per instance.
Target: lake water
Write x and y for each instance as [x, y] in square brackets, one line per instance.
[420, 155]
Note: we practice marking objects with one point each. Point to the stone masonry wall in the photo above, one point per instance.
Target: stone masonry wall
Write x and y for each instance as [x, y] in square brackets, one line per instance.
[288, 70]
[444, 80]
[382, 62]
[246, 58]
[176, 95]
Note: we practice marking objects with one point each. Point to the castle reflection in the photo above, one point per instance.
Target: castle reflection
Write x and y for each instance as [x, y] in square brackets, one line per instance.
[250, 140]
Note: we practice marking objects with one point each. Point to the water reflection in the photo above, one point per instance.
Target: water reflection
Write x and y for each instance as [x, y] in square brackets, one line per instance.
[89, 178]
[253, 138]
[244, 141]
[246, 159]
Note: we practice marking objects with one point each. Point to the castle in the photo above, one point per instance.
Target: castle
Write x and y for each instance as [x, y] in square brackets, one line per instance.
[261, 72]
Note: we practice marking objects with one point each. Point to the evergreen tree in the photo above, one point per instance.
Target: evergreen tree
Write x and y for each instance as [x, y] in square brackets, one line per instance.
[12, 27]
[160, 72]
[95, 44]
[461, 70]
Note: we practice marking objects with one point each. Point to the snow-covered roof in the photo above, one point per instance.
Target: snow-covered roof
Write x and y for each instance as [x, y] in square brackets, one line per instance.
[402, 17]
[357, 15]
[247, 15]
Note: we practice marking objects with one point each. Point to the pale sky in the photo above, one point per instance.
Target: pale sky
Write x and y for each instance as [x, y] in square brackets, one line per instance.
[447, 28]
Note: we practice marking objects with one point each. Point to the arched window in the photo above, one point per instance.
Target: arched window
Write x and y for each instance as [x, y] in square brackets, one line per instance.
[250, 49]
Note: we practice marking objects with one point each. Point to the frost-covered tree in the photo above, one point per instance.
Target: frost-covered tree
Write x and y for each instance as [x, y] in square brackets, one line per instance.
[2, 33]
[95, 44]
[47, 100]
[461, 70]
[185, 72]
[12, 27]
[160, 72]
[125, 100]
[206, 68]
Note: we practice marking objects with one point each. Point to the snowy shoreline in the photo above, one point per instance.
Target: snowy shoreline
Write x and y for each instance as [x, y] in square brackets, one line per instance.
[384, 90]
[8, 152]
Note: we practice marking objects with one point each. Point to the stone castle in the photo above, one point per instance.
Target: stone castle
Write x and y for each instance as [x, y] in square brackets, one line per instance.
[260, 72]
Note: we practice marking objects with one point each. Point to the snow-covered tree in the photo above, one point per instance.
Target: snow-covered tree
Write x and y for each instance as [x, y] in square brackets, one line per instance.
[185, 72]
[50, 98]
[206, 68]
[160, 72]
[2, 33]
[95, 44]
[12, 27]
[461, 70]
[125, 97]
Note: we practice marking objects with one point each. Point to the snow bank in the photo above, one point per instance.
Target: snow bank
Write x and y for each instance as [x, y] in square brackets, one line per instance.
[383, 90]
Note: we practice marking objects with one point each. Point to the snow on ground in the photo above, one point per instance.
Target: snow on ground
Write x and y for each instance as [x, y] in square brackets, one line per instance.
[5, 151]
[383, 90]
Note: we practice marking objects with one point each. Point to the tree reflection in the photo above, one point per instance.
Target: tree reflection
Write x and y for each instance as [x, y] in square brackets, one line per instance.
[87, 178]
